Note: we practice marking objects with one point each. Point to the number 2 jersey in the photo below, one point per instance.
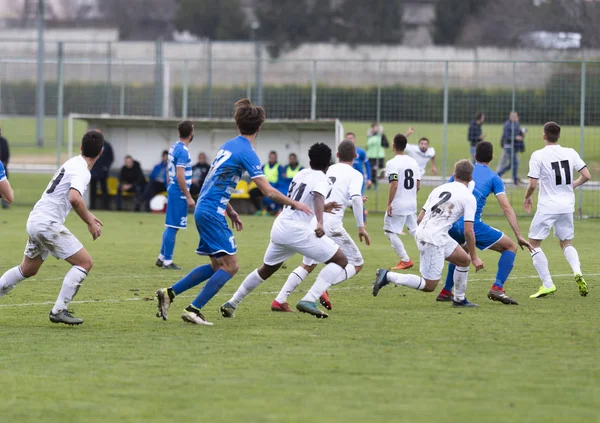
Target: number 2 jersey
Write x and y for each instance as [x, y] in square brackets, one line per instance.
[444, 206]
[54, 206]
[405, 170]
[553, 165]
[304, 186]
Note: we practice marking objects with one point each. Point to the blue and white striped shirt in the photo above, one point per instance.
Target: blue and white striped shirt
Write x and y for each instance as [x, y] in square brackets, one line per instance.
[179, 156]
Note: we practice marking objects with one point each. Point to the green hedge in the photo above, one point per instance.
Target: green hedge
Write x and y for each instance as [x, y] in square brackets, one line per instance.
[558, 101]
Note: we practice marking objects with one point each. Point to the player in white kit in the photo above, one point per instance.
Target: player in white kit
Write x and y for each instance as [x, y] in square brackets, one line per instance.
[445, 205]
[404, 176]
[292, 233]
[346, 187]
[553, 167]
[48, 235]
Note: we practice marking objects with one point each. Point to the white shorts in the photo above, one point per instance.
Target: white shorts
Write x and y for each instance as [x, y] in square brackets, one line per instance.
[289, 237]
[340, 236]
[395, 224]
[564, 228]
[47, 238]
[433, 258]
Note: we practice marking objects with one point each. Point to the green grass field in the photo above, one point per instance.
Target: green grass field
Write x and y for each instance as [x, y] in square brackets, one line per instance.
[398, 357]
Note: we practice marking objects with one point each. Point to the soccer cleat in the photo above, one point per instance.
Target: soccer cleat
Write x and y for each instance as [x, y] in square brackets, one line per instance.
[64, 316]
[500, 295]
[463, 303]
[324, 300]
[159, 263]
[543, 291]
[582, 285]
[283, 307]
[403, 265]
[192, 315]
[165, 298]
[311, 308]
[380, 281]
[171, 266]
[227, 310]
[444, 296]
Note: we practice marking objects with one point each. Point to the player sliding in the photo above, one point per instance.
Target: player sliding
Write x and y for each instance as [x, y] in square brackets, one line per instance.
[292, 233]
[48, 235]
[216, 239]
[445, 205]
[346, 187]
[553, 166]
[486, 237]
[6, 192]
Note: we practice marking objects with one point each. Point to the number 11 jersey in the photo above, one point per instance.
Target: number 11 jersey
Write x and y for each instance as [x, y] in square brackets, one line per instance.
[553, 165]
[302, 189]
[406, 171]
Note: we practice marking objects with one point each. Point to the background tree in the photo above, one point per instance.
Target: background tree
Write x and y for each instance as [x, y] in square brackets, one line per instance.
[217, 20]
[452, 16]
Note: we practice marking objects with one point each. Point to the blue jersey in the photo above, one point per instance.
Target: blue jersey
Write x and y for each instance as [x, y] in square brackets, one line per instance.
[361, 163]
[2, 172]
[179, 156]
[234, 157]
[486, 182]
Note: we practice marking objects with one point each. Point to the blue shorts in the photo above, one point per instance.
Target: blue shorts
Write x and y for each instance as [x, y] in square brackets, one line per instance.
[177, 212]
[215, 236]
[485, 235]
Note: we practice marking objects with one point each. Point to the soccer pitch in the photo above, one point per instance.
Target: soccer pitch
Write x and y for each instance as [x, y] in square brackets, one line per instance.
[398, 357]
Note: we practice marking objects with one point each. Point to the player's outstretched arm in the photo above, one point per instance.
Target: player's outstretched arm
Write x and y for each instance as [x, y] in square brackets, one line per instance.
[584, 176]
[528, 202]
[6, 191]
[359, 216]
[180, 175]
[319, 206]
[470, 237]
[82, 211]
[274, 195]
[511, 217]
[393, 179]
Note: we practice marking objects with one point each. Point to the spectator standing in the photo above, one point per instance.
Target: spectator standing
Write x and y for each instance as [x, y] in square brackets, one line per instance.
[475, 133]
[4, 159]
[199, 172]
[158, 180]
[422, 153]
[131, 180]
[377, 142]
[288, 172]
[512, 143]
[272, 170]
[100, 176]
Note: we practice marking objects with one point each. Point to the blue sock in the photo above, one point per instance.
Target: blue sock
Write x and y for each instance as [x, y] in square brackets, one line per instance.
[168, 243]
[505, 266]
[214, 284]
[195, 277]
[450, 278]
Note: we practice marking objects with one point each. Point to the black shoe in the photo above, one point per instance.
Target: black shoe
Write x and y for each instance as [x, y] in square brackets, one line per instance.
[159, 263]
[500, 295]
[64, 316]
[171, 266]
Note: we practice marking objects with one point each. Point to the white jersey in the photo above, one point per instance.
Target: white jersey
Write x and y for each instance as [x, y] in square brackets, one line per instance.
[54, 206]
[444, 206]
[422, 157]
[302, 189]
[553, 165]
[346, 183]
[405, 170]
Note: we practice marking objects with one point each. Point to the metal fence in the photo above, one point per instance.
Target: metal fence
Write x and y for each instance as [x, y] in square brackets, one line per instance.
[438, 98]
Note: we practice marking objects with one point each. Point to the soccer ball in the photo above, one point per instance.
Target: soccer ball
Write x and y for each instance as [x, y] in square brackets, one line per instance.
[158, 204]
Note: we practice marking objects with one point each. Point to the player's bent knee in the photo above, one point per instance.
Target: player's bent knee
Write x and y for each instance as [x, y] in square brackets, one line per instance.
[357, 269]
[430, 285]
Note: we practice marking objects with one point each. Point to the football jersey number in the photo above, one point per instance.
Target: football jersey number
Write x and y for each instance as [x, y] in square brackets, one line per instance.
[556, 167]
[56, 181]
[409, 182]
[332, 180]
[299, 192]
[445, 196]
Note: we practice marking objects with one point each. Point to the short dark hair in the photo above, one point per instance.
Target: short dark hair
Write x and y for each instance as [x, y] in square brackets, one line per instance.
[552, 131]
[185, 129]
[165, 152]
[248, 117]
[400, 142]
[293, 154]
[484, 151]
[463, 170]
[320, 156]
[272, 152]
[128, 157]
[92, 144]
[424, 139]
[347, 151]
[479, 115]
[351, 133]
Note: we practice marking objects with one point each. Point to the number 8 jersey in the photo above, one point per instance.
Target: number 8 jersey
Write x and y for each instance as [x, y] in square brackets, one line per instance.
[406, 171]
[553, 165]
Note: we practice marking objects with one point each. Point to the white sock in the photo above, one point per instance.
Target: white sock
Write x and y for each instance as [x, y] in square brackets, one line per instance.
[167, 262]
[540, 262]
[398, 246]
[9, 279]
[573, 259]
[70, 286]
[331, 274]
[412, 281]
[294, 279]
[249, 284]
[461, 274]
[161, 257]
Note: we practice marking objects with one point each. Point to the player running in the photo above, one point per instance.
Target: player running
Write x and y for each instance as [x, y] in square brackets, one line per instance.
[216, 239]
[6, 192]
[346, 186]
[48, 235]
[404, 176]
[445, 205]
[553, 166]
[486, 237]
[179, 199]
[292, 233]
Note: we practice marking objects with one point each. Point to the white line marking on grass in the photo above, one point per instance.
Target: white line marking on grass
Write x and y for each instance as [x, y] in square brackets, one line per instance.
[348, 288]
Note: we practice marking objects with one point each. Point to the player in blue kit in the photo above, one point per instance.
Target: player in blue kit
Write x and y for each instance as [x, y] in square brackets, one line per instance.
[6, 192]
[486, 237]
[179, 177]
[216, 239]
